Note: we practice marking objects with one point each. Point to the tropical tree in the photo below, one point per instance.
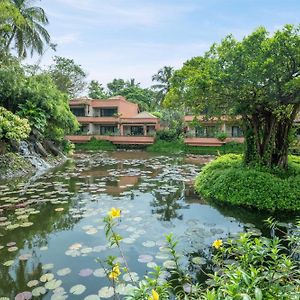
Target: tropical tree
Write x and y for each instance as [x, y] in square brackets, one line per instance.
[115, 87]
[257, 78]
[27, 32]
[96, 90]
[163, 79]
[9, 16]
[68, 76]
[131, 90]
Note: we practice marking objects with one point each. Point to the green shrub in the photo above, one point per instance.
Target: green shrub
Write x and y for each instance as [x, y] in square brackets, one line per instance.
[231, 147]
[227, 180]
[12, 127]
[252, 267]
[221, 136]
[173, 147]
[68, 147]
[168, 135]
[96, 145]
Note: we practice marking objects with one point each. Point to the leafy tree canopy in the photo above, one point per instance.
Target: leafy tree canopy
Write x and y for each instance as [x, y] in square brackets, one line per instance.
[145, 98]
[257, 78]
[68, 76]
[96, 90]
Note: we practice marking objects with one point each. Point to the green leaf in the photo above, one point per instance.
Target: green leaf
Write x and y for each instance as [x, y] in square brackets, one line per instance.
[258, 294]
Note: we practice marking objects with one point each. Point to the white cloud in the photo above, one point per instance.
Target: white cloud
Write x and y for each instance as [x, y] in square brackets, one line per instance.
[117, 12]
[66, 39]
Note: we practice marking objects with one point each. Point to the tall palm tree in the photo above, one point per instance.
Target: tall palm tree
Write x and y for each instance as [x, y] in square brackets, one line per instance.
[163, 77]
[31, 34]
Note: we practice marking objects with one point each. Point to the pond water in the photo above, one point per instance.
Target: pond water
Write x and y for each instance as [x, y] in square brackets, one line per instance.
[51, 228]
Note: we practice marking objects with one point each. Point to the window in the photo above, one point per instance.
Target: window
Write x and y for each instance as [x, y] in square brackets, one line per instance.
[108, 130]
[200, 131]
[236, 131]
[137, 130]
[210, 131]
[84, 129]
[108, 112]
[78, 111]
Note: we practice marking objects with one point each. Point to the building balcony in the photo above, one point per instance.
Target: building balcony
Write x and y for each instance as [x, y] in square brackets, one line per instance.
[206, 141]
[115, 139]
[98, 119]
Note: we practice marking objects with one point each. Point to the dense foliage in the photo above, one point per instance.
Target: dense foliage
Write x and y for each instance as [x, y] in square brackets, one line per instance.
[68, 76]
[12, 127]
[257, 267]
[96, 145]
[36, 98]
[257, 78]
[228, 180]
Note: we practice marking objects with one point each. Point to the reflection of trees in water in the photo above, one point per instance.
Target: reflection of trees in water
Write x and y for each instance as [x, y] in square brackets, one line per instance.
[249, 215]
[46, 222]
[167, 206]
[24, 271]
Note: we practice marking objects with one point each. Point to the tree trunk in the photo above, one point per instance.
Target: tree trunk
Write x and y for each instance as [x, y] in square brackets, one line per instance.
[267, 139]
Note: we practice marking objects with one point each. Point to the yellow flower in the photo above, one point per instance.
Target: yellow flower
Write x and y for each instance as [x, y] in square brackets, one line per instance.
[154, 296]
[217, 244]
[115, 213]
[115, 273]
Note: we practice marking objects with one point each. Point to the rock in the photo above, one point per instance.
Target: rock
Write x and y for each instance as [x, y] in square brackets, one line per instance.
[51, 146]
[39, 148]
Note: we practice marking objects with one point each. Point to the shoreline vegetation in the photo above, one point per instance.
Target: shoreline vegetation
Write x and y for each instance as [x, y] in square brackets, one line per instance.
[228, 180]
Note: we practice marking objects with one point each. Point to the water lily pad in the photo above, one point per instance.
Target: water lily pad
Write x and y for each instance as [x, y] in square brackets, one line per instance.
[106, 292]
[23, 296]
[151, 265]
[8, 263]
[12, 226]
[53, 284]
[12, 249]
[47, 266]
[144, 258]
[26, 224]
[39, 291]
[131, 276]
[73, 253]
[99, 273]
[199, 260]
[46, 277]
[63, 272]
[59, 209]
[169, 264]
[149, 244]
[92, 297]
[77, 289]
[85, 272]
[32, 283]
[125, 289]
[25, 256]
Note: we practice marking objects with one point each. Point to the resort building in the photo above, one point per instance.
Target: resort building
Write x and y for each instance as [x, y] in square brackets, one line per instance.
[203, 131]
[114, 119]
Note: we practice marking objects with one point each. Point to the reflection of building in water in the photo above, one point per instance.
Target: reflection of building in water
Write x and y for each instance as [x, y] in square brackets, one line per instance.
[119, 186]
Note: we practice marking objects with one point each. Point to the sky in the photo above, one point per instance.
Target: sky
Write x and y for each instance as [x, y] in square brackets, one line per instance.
[135, 38]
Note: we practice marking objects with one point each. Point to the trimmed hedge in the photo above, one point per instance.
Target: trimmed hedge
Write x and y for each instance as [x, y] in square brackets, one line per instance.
[227, 180]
